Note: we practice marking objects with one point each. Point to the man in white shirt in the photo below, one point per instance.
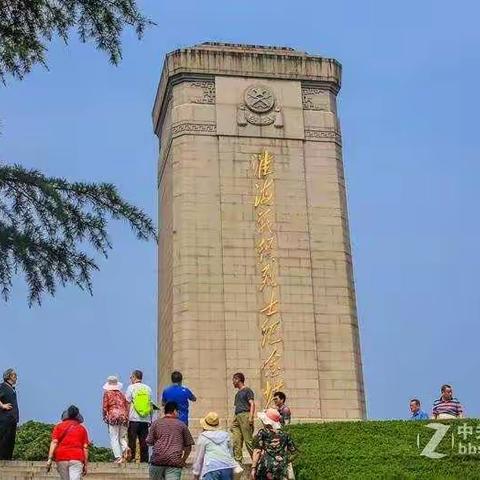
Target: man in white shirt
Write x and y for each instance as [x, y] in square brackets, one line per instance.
[139, 398]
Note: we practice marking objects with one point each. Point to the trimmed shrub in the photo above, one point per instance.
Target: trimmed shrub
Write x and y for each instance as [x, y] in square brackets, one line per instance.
[33, 441]
[374, 450]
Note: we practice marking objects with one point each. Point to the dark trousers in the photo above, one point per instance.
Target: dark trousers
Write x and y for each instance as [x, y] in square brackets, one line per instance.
[138, 430]
[7, 440]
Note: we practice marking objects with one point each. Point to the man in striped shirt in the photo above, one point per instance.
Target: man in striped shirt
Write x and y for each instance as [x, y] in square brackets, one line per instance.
[447, 406]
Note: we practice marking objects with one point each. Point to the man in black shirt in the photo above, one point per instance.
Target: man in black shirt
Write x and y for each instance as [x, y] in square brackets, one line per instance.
[242, 427]
[8, 414]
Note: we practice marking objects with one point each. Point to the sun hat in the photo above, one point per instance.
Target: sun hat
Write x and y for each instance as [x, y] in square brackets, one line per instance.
[210, 422]
[78, 416]
[271, 417]
[112, 383]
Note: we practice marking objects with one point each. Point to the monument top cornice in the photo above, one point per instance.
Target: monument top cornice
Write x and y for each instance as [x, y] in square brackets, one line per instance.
[212, 59]
[245, 47]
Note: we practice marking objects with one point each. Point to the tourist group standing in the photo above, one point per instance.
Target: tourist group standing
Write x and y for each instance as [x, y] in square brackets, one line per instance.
[129, 419]
[219, 455]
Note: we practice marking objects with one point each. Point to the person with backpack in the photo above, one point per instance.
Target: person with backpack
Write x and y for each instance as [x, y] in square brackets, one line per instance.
[115, 415]
[180, 394]
[139, 398]
[69, 447]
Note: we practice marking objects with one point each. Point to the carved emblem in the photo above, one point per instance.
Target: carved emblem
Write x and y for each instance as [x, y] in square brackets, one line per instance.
[259, 108]
[259, 98]
[256, 119]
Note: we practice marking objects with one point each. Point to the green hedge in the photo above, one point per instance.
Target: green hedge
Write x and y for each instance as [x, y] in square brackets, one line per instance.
[33, 441]
[372, 450]
[375, 450]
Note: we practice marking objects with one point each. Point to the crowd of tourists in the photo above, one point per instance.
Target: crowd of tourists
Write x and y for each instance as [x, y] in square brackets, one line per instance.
[132, 419]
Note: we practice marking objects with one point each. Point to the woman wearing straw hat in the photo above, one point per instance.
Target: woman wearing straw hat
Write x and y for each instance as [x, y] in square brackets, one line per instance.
[271, 448]
[115, 415]
[213, 460]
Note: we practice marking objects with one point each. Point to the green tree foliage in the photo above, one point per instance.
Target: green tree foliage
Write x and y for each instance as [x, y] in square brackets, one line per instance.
[44, 219]
[47, 224]
[33, 441]
[26, 26]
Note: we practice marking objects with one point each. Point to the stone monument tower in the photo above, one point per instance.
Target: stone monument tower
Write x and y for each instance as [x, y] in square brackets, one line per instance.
[255, 266]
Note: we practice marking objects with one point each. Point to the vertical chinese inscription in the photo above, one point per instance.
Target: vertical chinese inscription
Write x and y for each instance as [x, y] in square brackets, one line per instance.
[265, 245]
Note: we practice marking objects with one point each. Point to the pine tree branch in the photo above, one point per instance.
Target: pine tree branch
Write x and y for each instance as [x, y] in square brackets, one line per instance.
[44, 221]
[26, 26]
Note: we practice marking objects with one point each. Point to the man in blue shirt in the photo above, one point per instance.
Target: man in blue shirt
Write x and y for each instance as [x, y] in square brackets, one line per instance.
[417, 412]
[179, 394]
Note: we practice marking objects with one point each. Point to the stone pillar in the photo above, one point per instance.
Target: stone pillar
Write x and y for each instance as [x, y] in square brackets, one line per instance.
[220, 111]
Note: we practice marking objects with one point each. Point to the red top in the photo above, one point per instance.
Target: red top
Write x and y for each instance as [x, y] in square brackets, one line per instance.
[72, 437]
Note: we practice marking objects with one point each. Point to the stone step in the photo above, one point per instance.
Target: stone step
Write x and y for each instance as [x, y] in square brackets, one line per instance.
[17, 470]
[97, 471]
[97, 467]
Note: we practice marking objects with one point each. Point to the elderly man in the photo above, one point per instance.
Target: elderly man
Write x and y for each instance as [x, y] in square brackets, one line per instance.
[416, 410]
[447, 406]
[8, 414]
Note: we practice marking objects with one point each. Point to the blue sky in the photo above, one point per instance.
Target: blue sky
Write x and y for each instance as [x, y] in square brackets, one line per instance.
[408, 106]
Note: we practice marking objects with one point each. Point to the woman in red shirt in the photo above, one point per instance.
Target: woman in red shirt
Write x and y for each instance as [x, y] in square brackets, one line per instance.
[69, 447]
